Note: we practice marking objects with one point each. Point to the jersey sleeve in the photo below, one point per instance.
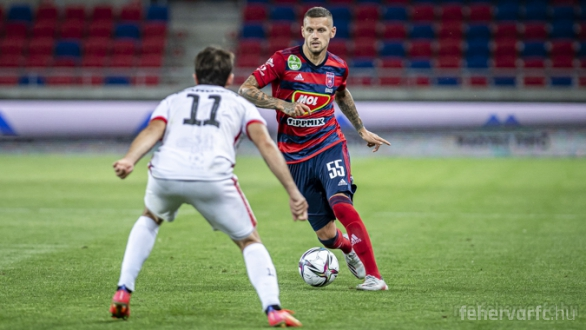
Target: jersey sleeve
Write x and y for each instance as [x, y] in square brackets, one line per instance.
[161, 111]
[251, 115]
[273, 69]
[342, 86]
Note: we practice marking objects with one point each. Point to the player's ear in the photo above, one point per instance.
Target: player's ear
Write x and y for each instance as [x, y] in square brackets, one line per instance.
[195, 79]
[333, 32]
[230, 80]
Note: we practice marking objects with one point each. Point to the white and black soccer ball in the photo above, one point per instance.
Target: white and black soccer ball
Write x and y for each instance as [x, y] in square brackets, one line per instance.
[318, 266]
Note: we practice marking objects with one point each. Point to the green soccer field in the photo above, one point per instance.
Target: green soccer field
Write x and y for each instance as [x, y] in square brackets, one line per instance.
[457, 240]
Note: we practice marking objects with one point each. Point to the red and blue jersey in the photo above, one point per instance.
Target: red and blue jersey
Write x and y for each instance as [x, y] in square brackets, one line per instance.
[295, 79]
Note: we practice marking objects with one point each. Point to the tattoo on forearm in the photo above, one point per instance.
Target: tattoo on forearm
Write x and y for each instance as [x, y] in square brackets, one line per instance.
[252, 93]
[348, 108]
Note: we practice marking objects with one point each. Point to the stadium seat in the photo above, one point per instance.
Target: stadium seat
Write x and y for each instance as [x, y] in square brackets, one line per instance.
[100, 28]
[99, 47]
[8, 80]
[75, 12]
[121, 61]
[507, 11]
[10, 60]
[422, 31]
[253, 30]
[343, 29]
[534, 31]
[367, 13]
[504, 81]
[31, 80]
[562, 48]
[157, 12]
[451, 13]
[534, 49]
[103, 13]
[66, 61]
[276, 44]
[477, 62]
[339, 47]
[281, 30]
[448, 81]
[127, 30]
[249, 60]
[283, 13]
[255, 13]
[116, 80]
[16, 30]
[562, 81]
[536, 11]
[392, 62]
[420, 63]
[43, 29]
[150, 61]
[581, 51]
[582, 31]
[506, 47]
[341, 13]
[422, 13]
[41, 46]
[394, 49]
[146, 80]
[562, 30]
[393, 31]
[505, 61]
[12, 47]
[479, 13]
[449, 48]
[478, 47]
[534, 81]
[562, 13]
[71, 30]
[395, 13]
[124, 47]
[20, 12]
[449, 62]
[38, 61]
[154, 29]
[477, 81]
[450, 30]
[155, 46]
[365, 48]
[93, 61]
[420, 48]
[365, 30]
[562, 62]
[69, 48]
[131, 12]
[505, 30]
[363, 63]
[46, 12]
[250, 46]
[534, 62]
[62, 80]
[478, 32]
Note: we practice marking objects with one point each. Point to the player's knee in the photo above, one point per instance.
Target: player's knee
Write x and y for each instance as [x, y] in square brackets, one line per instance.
[152, 216]
[339, 199]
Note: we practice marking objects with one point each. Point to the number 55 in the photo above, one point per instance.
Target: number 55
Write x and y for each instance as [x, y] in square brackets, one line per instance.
[335, 168]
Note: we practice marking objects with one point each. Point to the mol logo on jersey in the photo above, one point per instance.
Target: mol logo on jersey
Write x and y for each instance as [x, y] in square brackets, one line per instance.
[314, 101]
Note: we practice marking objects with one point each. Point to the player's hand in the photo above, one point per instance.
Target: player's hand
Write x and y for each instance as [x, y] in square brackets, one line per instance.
[123, 168]
[298, 206]
[372, 140]
[294, 109]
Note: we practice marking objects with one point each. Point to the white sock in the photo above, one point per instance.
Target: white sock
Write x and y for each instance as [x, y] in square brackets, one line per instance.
[262, 274]
[140, 243]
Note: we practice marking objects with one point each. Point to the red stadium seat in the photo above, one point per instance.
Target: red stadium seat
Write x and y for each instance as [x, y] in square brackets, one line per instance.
[46, 12]
[420, 48]
[153, 46]
[562, 48]
[8, 80]
[505, 61]
[534, 81]
[41, 46]
[451, 13]
[478, 81]
[449, 61]
[339, 48]
[394, 31]
[75, 12]
[281, 29]
[506, 30]
[10, 60]
[38, 61]
[62, 80]
[422, 13]
[65, 62]
[249, 61]
[16, 30]
[365, 48]
[99, 47]
[71, 29]
[250, 46]
[562, 62]
[534, 31]
[124, 47]
[276, 44]
[255, 13]
[103, 13]
[534, 63]
[480, 13]
[9, 46]
[93, 61]
[450, 47]
[582, 81]
[43, 29]
[450, 30]
[146, 80]
[420, 81]
[100, 29]
[505, 47]
[367, 13]
[121, 61]
[150, 61]
[154, 29]
[391, 81]
[391, 62]
[131, 12]
[365, 30]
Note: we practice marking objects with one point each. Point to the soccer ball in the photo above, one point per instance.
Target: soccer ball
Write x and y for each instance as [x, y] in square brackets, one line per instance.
[318, 266]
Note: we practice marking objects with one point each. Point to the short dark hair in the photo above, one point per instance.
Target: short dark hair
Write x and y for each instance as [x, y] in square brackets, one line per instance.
[318, 12]
[213, 66]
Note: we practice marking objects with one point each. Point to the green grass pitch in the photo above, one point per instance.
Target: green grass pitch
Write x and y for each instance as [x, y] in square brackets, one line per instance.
[499, 233]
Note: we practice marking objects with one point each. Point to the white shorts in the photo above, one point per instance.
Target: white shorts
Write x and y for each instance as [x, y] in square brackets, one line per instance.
[221, 203]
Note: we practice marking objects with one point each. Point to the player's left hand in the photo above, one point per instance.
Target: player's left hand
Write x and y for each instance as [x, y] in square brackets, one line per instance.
[372, 140]
[123, 168]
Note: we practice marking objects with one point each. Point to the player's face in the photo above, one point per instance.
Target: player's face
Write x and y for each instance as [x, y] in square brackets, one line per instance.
[317, 32]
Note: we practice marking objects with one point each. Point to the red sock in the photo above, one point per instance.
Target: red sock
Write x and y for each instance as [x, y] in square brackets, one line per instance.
[342, 243]
[359, 238]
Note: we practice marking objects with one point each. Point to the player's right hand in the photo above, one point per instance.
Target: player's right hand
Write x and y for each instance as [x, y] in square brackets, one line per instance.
[298, 206]
[123, 168]
[295, 109]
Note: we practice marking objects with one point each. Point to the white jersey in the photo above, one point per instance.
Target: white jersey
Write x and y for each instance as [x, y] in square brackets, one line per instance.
[204, 126]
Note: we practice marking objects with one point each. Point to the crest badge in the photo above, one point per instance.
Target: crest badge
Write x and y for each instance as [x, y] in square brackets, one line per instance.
[330, 79]
[294, 62]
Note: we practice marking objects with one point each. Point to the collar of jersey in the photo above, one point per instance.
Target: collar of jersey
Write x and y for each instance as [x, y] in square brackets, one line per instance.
[310, 63]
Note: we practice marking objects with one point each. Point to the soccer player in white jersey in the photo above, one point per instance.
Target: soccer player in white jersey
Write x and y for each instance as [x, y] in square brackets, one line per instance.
[199, 128]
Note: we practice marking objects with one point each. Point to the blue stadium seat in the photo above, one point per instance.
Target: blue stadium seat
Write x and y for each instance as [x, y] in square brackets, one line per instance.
[157, 13]
[363, 63]
[562, 13]
[478, 31]
[342, 29]
[478, 47]
[422, 31]
[395, 13]
[20, 12]
[420, 64]
[583, 11]
[477, 62]
[582, 50]
[507, 12]
[505, 81]
[562, 29]
[127, 30]
[69, 48]
[534, 48]
[448, 81]
[392, 48]
[283, 13]
[341, 13]
[116, 80]
[31, 80]
[253, 30]
[536, 11]
[561, 81]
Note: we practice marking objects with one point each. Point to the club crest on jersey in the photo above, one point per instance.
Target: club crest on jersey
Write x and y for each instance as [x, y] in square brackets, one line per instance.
[330, 78]
[314, 101]
[294, 62]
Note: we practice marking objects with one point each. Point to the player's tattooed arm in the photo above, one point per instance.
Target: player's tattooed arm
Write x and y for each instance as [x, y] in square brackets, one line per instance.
[251, 91]
[348, 108]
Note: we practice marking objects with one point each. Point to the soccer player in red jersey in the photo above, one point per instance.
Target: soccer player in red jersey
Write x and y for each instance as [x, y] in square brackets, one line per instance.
[306, 80]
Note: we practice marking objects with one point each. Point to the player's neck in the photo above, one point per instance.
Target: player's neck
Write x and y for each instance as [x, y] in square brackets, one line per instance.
[316, 59]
